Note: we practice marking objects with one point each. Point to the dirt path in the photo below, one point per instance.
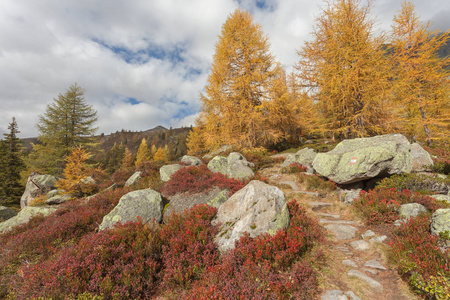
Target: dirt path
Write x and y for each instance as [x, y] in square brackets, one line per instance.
[357, 267]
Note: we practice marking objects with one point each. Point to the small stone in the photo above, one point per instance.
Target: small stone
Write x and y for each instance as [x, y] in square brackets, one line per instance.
[342, 232]
[378, 239]
[400, 222]
[350, 263]
[368, 233]
[318, 205]
[333, 295]
[372, 271]
[410, 210]
[360, 245]
[352, 295]
[371, 282]
[374, 264]
[325, 221]
[329, 215]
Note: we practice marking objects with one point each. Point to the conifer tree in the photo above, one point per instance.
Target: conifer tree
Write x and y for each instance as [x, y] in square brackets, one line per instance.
[422, 81]
[159, 155]
[153, 150]
[238, 97]
[12, 164]
[114, 157]
[345, 70]
[127, 160]
[142, 153]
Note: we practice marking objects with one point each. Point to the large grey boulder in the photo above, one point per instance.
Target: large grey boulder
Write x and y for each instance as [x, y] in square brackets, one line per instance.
[133, 179]
[364, 158]
[181, 202]
[37, 185]
[24, 216]
[421, 159]
[234, 166]
[410, 210]
[57, 199]
[304, 157]
[6, 213]
[256, 209]
[191, 160]
[440, 221]
[146, 204]
[168, 170]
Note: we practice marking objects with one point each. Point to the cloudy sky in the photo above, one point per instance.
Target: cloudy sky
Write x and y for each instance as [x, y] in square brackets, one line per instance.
[142, 63]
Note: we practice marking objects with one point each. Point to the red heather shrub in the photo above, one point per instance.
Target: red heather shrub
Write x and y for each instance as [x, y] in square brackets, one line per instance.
[417, 253]
[295, 168]
[43, 237]
[380, 205]
[188, 246]
[266, 267]
[198, 179]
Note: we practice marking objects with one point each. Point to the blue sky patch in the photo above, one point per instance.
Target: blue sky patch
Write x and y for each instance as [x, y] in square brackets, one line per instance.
[132, 101]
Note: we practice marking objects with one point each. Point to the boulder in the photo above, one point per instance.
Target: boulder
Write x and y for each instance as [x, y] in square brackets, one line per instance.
[234, 166]
[191, 160]
[421, 159]
[440, 221]
[146, 204]
[304, 157]
[133, 179]
[440, 197]
[410, 210]
[364, 158]
[168, 170]
[24, 216]
[57, 199]
[256, 209]
[180, 202]
[37, 185]
[351, 196]
[6, 213]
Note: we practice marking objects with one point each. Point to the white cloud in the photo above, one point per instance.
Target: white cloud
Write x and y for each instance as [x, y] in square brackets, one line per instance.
[47, 45]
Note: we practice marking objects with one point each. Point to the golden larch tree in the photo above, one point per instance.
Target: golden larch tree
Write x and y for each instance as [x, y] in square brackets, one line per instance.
[345, 70]
[75, 172]
[127, 160]
[142, 153]
[236, 103]
[159, 155]
[422, 88]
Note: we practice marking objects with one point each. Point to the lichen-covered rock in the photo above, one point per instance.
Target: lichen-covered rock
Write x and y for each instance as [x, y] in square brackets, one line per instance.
[181, 202]
[191, 160]
[146, 204]
[133, 179]
[440, 197]
[410, 210]
[57, 199]
[234, 166]
[6, 213]
[24, 216]
[256, 209]
[37, 185]
[440, 221]
[364, 158]
[168, 170]
[304, 157]
[421, 159]
[351, 196]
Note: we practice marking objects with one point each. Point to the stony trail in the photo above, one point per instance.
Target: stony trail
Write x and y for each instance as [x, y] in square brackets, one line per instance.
[357, 267]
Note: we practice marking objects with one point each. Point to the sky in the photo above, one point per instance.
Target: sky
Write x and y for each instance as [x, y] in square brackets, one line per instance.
[142, 63]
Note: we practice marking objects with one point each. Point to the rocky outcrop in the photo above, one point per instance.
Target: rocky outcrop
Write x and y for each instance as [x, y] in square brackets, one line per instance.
[256, 209]
[234, 166]
[146, 204]
[181, 202]
[57, 199]
[440, 221]
[24, 216]
[6, 213]
[133, 179]
[421, 159]
[364, 158]
[439, 197]
[304, 157]
[168, 170]
[410, 210]
[191, 160]
[37, 185]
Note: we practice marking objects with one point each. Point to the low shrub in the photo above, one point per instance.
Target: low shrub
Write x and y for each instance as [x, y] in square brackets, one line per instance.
[415, 183]
[259, 157]
[294, 168]
[381, 205]
[316, 183]
[420, 259]
[198, 179]
[441, 159]
[267, 267]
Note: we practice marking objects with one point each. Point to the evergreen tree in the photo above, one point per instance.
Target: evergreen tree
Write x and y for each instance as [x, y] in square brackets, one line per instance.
[127, 160]
[142, 153]
[422, 81]
[11, 166]
[114, 158]
[345, 70]
[67, 123]
[238, 99]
